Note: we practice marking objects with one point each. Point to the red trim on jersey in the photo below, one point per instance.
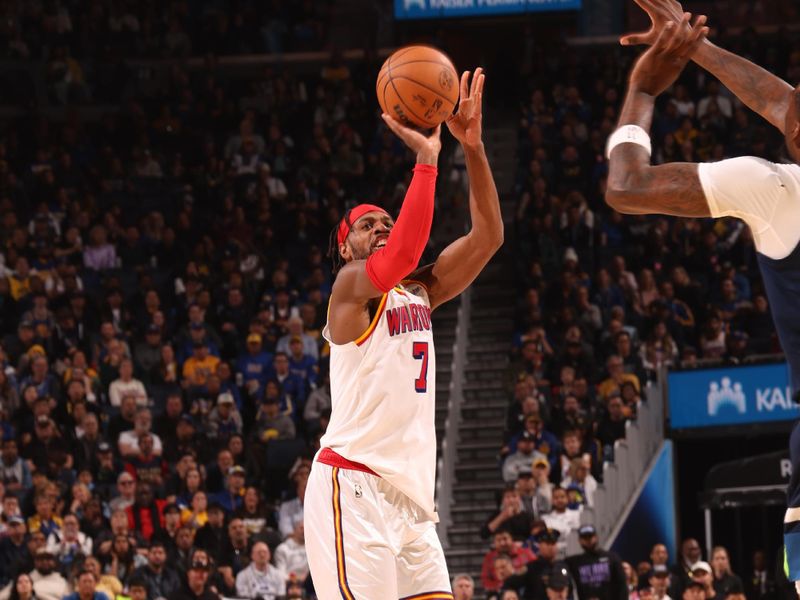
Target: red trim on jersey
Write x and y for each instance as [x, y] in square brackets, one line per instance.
[334, 459]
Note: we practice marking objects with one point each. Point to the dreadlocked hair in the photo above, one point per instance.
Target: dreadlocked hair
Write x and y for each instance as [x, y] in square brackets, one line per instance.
[337, 262]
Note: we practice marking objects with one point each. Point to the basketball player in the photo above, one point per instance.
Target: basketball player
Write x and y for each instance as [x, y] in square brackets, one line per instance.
[369, 506]
[766, 196]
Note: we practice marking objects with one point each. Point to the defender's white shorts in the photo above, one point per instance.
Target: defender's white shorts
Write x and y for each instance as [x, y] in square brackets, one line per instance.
[365, 540]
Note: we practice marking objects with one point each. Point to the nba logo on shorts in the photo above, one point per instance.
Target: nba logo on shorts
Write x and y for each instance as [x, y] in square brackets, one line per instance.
[359, 493]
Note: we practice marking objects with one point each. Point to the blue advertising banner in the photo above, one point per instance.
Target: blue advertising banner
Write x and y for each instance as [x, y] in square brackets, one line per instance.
[438, 9]
[730, 396]
[652, 518]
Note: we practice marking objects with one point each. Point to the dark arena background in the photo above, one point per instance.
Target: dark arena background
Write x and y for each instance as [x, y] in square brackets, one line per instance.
[169, 175]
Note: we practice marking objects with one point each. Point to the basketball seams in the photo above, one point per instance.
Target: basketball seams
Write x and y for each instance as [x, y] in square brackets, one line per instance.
[403, 102]
[422, 85]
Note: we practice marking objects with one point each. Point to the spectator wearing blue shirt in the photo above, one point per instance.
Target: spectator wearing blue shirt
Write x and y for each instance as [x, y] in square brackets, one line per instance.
[293, 388]
[86, 588]
[295, 326]
[255, 366]
[302, 365]
[232, 497]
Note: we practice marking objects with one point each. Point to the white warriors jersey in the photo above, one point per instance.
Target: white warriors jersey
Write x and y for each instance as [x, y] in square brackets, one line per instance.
[382, 395]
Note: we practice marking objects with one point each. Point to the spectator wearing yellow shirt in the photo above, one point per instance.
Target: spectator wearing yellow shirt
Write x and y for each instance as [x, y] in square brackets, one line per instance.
[200, 365]
[44, 519]
[20, 281]
[196, 515]
[616, 377]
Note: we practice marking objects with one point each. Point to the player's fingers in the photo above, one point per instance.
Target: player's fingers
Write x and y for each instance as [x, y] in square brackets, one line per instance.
[479, 86]
[394, 125]
[635, 39]
[695, 37]
[464, 84]
[679, 34]
[663, 37]
[475, 77]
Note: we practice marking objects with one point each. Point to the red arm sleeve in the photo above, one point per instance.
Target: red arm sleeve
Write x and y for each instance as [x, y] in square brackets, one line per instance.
[389, 265]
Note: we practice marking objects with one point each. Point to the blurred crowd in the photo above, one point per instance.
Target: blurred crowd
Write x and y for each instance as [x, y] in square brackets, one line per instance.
[607, 300]
[163, 286]
[535, 571]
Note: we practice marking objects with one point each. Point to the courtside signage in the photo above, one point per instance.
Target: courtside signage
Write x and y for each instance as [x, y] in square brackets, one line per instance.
[732, 396]
[438, 9]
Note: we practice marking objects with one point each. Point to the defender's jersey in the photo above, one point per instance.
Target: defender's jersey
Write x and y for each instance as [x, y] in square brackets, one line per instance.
[766, 196]
[382, 395]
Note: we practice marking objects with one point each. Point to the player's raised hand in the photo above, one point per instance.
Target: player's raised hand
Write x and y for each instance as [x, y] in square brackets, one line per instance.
[427, 148]
[465, 124]
[661, 12]
[660, 65]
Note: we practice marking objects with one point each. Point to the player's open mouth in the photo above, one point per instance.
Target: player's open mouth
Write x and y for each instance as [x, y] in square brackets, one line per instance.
[379, 244]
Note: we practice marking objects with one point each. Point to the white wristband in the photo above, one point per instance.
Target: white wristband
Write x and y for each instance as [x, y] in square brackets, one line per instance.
[629, 134]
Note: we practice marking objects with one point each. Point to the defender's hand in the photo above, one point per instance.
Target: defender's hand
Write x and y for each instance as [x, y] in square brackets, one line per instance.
[426, 148]
[465, 125]
[662, 63]
[661, 12]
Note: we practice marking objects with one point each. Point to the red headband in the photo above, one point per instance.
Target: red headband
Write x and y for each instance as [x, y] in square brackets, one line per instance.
[354, 215]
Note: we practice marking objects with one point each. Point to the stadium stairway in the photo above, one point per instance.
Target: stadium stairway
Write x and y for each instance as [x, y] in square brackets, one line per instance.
[444, 325]
[478, 480]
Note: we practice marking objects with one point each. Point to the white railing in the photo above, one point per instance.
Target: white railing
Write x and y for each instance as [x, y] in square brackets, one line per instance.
[624, 477]
[447, 461]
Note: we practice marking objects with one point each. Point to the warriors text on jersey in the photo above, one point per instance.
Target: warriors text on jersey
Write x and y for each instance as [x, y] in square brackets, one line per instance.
[382, 395]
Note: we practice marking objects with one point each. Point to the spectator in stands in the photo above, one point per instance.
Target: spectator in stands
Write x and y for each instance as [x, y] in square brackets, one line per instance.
[160, 579]
[14, 472]
[532, 582]
[22, 588]
[725, 580]
[48, 584]
[704, 574]
[290, 512]
[562, 518]
[234, 556]
[579, 475]
[231, 497]
[255, 366]
[597, 572]
[295, 326]
[612, 424]
[195, 586]
[272, 425]
[126, 385]
[211, 536]
[13, 548]
[129, 440]
[682, 570]
[503, 547]
[463, 587]
[260, 579]
[522, 459]
[290, 555]
[86, 587]
[71, 544]
[760, 584]
[535, 499]
[145, 515]
[511, 517]
[658, 580]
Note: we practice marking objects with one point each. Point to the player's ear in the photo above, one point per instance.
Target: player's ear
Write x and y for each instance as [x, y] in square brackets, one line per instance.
[345, 252]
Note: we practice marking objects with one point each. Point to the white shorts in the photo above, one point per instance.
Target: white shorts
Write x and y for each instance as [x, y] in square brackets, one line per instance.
[365, 540]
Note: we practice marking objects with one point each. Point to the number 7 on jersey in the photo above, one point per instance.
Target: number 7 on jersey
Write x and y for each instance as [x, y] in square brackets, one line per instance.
[420, 352]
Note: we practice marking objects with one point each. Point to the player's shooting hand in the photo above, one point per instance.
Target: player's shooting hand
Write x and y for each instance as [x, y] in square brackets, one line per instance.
[662, 63]
[465, 124]
[426, 148]
[661, 12]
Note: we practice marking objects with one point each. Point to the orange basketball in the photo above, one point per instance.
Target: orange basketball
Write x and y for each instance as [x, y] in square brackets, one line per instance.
[418, 86]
